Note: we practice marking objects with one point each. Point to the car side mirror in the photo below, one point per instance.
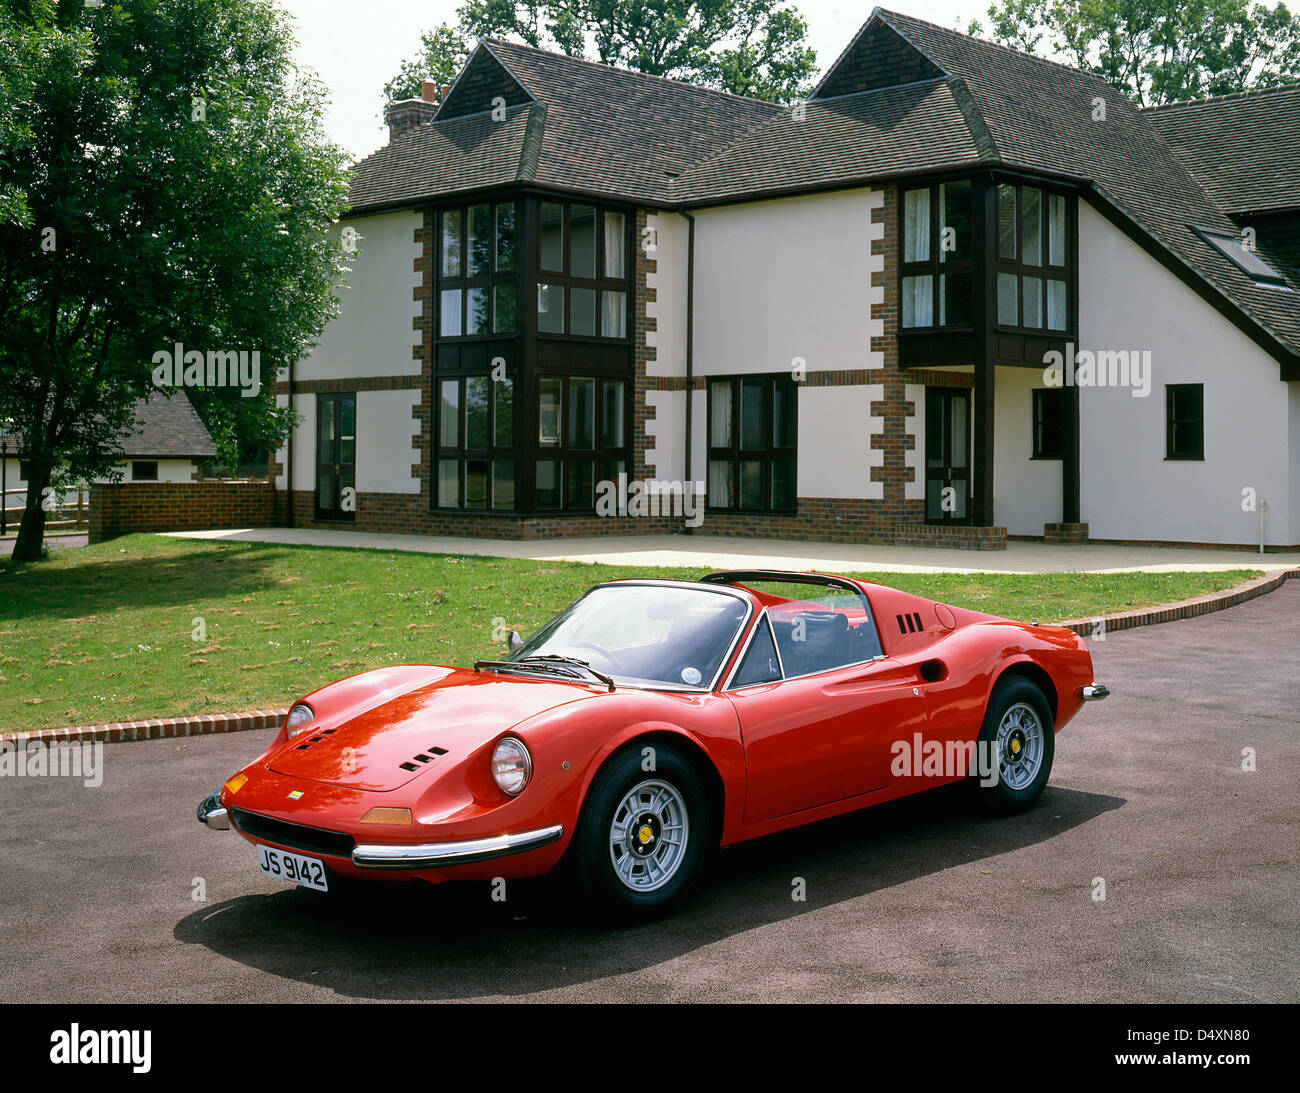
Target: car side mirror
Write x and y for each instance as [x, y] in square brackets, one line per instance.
[514, 640]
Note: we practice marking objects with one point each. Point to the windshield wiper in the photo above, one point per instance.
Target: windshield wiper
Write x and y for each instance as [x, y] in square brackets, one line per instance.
[557, 658]
[556, 665]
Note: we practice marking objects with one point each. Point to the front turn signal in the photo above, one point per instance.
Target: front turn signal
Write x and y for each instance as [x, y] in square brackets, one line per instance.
[379, 815]
[236, 783]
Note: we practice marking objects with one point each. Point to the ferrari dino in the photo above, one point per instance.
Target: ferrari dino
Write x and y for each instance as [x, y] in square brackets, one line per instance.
[649, 723]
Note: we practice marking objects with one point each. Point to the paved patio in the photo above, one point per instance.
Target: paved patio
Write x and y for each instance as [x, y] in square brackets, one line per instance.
[732, 552]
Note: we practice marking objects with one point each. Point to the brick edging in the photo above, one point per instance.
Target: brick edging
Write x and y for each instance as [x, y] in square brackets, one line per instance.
[1183, 609]
[156, 728]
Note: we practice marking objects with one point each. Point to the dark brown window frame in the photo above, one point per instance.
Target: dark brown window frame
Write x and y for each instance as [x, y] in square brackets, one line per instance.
[1046, 271]
[933, 266]
[489, 281]
[565, 454]
[768, 454]
[464, 455]
[1198, 453]
[136, 476]
[563, 278]
[1039, 422]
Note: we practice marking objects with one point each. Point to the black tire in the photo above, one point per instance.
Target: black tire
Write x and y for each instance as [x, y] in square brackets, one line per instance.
[594, 853]
[1007, 795]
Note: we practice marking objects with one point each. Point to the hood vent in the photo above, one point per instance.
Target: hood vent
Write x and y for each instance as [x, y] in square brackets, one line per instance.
[426, 756]
[315, 739]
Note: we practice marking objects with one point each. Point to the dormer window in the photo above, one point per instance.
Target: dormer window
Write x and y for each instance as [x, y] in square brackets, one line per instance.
[1247, 261]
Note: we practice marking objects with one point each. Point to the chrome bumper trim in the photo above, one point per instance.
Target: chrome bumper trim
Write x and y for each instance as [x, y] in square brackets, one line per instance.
[211, 813]
[1096, 692]
[428, 855]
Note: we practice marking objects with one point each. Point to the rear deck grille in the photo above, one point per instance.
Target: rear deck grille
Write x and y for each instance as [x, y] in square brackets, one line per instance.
[309, 840]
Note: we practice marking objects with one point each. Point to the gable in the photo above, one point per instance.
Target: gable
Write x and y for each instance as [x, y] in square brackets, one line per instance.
[483, 79]
[878, 57]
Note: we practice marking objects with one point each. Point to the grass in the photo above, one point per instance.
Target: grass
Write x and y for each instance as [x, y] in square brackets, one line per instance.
[146, 626]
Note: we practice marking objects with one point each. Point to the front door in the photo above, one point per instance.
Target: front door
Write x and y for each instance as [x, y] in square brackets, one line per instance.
[822, 738]
[947, 455]
[336, 457]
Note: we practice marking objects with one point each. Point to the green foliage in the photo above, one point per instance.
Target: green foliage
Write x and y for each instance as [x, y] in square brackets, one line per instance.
[1158, 51]
[747, 47]
[169, 181]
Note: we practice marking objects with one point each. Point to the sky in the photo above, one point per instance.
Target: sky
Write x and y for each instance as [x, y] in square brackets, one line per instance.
[356, 46]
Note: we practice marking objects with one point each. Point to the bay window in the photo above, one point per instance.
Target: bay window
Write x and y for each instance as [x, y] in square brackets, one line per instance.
[477, 248]
[1032, 281]
[937, 253]
[582, 274]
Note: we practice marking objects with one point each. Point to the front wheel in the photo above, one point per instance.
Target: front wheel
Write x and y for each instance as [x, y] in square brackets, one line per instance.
[1018, 737]
[643, 834]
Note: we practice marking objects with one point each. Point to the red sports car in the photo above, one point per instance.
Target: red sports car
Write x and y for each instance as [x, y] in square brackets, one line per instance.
[650, 722]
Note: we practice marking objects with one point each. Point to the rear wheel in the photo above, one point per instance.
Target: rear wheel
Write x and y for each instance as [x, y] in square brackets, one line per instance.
[1018, 736]
[642, 835]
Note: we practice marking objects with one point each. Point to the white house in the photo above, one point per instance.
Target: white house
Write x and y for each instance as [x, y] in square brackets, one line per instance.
[960, 294]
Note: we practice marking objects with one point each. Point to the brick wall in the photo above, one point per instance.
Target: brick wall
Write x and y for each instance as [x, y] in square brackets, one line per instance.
[121, 507]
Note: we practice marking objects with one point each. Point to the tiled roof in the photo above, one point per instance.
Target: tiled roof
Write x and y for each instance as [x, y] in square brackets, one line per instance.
[837, 141]
[448, 157]
[168, 428]
[1241, 148]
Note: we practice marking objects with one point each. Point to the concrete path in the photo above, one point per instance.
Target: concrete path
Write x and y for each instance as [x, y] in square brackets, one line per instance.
[733, 552]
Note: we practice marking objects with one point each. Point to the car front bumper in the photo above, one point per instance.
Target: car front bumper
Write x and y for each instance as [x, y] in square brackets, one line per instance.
[410, 855]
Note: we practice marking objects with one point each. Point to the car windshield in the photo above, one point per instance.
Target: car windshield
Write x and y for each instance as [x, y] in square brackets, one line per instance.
[645, 635]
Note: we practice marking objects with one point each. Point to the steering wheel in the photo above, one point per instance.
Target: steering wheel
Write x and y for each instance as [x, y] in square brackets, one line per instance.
[607, 657]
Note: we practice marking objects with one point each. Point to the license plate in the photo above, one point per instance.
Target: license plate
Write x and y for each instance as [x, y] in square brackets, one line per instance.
[294, 868]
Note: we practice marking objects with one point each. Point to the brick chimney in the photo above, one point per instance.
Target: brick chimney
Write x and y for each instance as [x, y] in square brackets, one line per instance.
[409, 113]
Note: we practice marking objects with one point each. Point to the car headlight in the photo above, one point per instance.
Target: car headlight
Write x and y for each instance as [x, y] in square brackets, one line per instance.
[512, 766]
[299, 718]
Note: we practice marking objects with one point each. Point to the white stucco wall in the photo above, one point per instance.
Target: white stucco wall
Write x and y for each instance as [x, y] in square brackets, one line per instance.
[1129, 490]
[669, 281]
[834, 452]
[666, 453]
[373, 335]
[1026, 491]
[385, 433]
[786, 279]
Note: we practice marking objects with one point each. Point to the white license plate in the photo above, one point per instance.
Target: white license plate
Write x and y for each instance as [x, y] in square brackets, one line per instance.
[294, 868]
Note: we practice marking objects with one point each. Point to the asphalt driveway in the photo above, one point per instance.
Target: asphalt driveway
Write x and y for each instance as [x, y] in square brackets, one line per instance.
[914, 901]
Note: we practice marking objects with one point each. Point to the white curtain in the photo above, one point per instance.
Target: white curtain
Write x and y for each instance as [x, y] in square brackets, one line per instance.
[613, 244]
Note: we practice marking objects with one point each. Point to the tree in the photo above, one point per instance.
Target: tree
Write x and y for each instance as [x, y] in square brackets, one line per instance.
[1158, 51]
[169, 184]
[443, 52]
[747, 47]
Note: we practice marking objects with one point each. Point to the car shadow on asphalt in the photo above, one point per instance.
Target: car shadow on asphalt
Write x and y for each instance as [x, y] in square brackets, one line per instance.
[429, 942]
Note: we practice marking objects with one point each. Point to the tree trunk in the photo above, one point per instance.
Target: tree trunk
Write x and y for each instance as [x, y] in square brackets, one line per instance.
[31, 532]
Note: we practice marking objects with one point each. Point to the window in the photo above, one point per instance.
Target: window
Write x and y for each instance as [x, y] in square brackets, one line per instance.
[475, 466]
[1185, 421]
[477, 246]
[581, 439]
[25, 470]
[760, 664]
[1246, 260]
[336, 456]
[753, 443]
[1031, 265]
[1049, 405]
[144, 471]
[582, 275]
[936, 284]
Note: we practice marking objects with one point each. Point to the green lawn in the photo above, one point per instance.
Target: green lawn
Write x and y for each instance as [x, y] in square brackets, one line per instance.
[146, 626]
